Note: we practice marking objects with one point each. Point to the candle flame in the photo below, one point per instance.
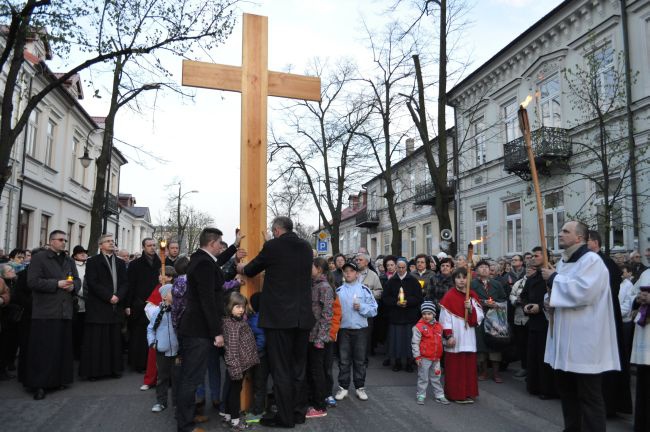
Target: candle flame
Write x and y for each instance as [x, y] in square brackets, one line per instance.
[525, 103]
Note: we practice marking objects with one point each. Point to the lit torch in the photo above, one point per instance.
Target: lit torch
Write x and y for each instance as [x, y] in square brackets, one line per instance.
[524, 125]
[163, 245]
[470, 262]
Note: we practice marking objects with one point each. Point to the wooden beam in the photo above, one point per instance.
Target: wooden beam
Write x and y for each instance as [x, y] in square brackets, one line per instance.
[294, 86]
[212, 76]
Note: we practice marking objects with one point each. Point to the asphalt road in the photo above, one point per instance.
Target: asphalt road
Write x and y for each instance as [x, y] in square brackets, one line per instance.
[119, 405]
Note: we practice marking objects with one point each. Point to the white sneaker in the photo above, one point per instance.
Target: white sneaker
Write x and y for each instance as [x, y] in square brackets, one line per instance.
[144, 387]
[341, 393]
[361, 394]
[158, 408]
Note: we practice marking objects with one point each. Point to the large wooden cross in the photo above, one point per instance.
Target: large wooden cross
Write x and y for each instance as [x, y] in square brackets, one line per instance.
[255, 82]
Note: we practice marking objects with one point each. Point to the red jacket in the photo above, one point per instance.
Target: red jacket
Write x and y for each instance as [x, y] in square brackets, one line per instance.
[430, 340]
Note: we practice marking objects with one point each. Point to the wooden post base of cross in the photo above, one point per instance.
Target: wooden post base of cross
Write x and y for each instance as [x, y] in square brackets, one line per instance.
[256, 83]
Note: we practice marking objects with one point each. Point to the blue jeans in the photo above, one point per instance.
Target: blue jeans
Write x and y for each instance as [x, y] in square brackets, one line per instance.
[352, 353]
[214, 378]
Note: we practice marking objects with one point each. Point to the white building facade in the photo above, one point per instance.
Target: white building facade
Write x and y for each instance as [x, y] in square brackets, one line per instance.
[415, 207]
[496, 198]
[48, 188]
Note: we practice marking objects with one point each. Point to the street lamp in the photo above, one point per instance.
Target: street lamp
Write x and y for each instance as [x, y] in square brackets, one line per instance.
[86, 159]
[180, 233]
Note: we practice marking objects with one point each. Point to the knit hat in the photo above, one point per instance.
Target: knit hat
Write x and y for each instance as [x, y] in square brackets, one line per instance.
[428, 306]
[165, 289]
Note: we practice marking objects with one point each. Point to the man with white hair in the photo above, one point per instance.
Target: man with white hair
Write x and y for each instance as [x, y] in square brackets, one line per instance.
[370, 279]
[637, 265]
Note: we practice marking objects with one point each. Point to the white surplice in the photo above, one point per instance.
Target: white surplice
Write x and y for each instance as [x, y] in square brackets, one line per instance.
[584, 332]
[465, 337]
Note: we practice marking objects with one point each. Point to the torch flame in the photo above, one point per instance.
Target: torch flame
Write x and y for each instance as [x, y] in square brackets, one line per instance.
[163, 243]
[526, 101]
[475, 242]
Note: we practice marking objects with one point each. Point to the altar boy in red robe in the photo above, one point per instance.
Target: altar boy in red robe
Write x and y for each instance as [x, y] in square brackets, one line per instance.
[461, 380]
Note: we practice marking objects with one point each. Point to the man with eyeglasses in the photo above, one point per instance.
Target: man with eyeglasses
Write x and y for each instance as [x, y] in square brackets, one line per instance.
[53, 279]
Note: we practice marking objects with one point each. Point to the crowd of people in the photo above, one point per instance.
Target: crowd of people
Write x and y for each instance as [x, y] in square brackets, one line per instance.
[576, 326]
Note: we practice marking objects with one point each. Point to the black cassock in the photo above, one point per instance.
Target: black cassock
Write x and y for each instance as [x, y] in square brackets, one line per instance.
[101, 352]
[142, 279]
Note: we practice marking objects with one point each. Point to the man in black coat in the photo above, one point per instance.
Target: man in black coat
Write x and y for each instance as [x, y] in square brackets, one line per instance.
[286, 316]
[106, 288]
[52, 277]
[142, 276]
[616, 384]
[200, 326]
[539, 379]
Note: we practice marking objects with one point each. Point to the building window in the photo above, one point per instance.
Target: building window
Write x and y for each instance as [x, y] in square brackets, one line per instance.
[49, 143]
[428, 239]
[405, 244]
[372, 205]
[45, 229]
[76, 164]
[513, 227]
[554, 218]
[511, 120]
[602, 62]
[32, 132]
[413, 241]
[81, 235]
[24, 223]
[479, 142]
[70, 229]
[480, 230]
[550, 101]
[386, 243]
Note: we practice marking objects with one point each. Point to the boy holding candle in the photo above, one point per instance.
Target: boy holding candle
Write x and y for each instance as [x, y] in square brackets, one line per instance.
[461, 381]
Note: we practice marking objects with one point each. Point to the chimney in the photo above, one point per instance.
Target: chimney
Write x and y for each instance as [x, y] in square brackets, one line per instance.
[410, 146]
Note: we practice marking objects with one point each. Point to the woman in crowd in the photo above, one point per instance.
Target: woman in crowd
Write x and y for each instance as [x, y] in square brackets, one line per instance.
[402, 300]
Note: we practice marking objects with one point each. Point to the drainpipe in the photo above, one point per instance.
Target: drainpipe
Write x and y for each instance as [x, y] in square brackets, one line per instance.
[630, 123]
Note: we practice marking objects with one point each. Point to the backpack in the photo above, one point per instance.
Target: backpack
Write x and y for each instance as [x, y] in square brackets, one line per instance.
[179, 289]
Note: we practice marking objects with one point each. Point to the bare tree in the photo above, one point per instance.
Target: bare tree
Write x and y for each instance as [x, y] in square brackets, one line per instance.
[196, 221]
[385, 85]
[65, 25]
[596, 89]
[174, 27]
[288, 196]
[322, 148]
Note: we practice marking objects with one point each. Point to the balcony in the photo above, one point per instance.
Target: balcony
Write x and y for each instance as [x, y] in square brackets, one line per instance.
[425, 193]
[367, 219]
[111, 206]
[551, 147]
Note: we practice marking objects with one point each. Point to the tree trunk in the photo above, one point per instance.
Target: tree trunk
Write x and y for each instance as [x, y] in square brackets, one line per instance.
[103, 161]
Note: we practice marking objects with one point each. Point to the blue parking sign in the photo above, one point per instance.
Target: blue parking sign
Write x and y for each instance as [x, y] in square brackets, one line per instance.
[322, 246]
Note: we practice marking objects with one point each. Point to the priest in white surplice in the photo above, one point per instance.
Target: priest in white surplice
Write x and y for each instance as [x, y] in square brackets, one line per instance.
[581, 344]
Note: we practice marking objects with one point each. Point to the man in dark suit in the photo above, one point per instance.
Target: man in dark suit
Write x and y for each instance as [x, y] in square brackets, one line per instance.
[105, 287]
[616, 384]
[142, 275]
[52, 277]
[200, 326]
[286, 316]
